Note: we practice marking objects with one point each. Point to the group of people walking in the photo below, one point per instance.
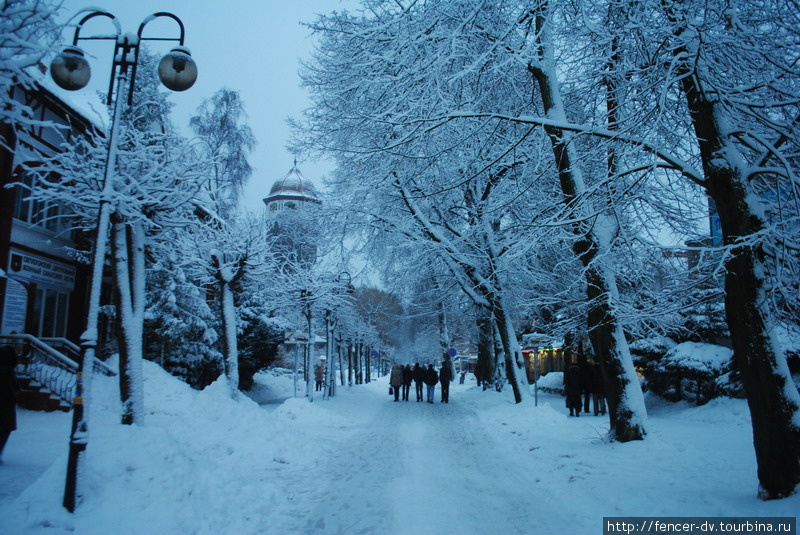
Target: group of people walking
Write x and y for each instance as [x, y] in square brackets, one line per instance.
[403, 375]
[583, 381]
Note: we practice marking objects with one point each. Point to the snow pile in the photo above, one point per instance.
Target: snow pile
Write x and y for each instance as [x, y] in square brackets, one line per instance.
[202, 463]
[552, 382]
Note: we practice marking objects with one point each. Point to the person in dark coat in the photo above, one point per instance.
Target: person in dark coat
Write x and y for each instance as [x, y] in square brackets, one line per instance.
[408, 376]
[598, 389]
[573, 388]
[8, 395]
[445, 376]
[586, 380]
[431, 378]
[419, 378]
[319, 376]
[396, 381]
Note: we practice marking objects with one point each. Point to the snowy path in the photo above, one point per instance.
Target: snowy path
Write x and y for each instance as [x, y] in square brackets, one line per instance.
[40, 439]
[411, 468]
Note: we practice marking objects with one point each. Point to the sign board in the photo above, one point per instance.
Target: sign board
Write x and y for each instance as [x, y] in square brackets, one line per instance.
[15, 308]
[373, 354]
[452, 352]
[34, 268]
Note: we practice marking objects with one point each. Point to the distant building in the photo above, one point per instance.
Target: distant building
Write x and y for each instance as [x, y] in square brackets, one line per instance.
[292, 231]
[291, 192]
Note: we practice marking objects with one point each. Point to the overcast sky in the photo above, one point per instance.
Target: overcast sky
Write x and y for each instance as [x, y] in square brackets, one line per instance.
[251, 46]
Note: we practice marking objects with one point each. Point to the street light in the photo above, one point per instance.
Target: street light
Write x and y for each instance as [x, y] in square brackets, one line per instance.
[71, 71]
[177, 70]
[305, 300]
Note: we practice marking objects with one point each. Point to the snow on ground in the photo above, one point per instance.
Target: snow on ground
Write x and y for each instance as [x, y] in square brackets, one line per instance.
[363, 464]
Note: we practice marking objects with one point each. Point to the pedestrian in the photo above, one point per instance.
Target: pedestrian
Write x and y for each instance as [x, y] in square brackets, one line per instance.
[445, 376]
[419, 378]
[8, 394]
[586, 380]
[431, 378]
[573, 387]
[462, 377]
[408, 377]
[598, 389]
[319, 375]
[396, 380]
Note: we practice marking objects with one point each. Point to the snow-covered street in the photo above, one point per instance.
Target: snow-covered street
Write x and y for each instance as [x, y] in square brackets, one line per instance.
[407, 468]
[363, 464]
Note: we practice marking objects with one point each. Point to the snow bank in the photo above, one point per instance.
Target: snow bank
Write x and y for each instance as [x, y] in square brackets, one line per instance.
[552, 382]
[202, 463]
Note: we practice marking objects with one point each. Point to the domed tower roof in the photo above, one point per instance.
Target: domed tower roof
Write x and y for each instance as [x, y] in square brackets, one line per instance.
[292, 187]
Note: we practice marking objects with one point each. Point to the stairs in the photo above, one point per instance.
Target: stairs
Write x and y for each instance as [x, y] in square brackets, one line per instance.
[46, 374]
[34, 396]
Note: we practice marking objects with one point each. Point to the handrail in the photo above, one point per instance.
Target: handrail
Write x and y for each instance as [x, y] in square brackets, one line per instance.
[51, 367]
[47, 366]
[38, 344]
[99, 365]
[64, 342]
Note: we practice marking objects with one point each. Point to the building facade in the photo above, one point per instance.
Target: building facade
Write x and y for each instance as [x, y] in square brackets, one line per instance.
[43, 288]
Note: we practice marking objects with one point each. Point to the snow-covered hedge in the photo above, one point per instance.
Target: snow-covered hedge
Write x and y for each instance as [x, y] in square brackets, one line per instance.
[646, 350]
[693, 371]
[788, 338]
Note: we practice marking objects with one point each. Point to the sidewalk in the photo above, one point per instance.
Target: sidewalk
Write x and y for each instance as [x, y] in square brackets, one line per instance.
[40, 439]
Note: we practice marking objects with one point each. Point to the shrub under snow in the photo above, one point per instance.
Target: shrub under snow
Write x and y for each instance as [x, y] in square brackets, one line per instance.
[693, 371]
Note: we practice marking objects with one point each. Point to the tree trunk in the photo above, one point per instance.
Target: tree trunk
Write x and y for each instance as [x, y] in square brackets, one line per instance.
[771, 395]
[444, 332]
[229, 343]
[128, 260]
[339, 353]
[515, 364]
[330, 375]
[349, 364]
[367, 365]
[309, 364]
[484, 371]
[627, 413]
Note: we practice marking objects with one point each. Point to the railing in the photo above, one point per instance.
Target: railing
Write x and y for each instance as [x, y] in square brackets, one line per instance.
[73, 352]
[63, 345]
[49, 366]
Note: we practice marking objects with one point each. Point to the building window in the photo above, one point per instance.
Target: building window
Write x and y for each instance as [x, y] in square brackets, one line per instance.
[50, 313]
[47, 215]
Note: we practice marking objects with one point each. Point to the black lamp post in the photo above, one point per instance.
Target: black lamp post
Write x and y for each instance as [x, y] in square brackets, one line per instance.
[305, 299]
[70, 70]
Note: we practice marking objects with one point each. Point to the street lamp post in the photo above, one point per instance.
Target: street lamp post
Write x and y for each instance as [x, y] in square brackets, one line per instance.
[70, 70]
[308, 359]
